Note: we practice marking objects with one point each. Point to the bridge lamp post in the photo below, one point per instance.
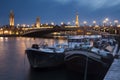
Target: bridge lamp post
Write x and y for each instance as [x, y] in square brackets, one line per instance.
[52, 23]
[111, 29]
[18, 25]
[85, 24]
[23, 25]
[62, 23]
[32, 25]
[104, 23]
[40, 24]
[106, 19]
[28, 25]
[68, 23]
[1, 31]
[116, 24]
[46, 24]
[94, 23]
[110, 24]
[73, 22]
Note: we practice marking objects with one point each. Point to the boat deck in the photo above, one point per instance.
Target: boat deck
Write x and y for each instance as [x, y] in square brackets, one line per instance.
[114, 71]
[89, 54]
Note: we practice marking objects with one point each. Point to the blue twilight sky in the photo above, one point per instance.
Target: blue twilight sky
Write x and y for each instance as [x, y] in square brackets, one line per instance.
[58, 11]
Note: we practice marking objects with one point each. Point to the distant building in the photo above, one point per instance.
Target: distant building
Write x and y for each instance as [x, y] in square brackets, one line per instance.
[77, 21]
[11, 19]
[38, 22]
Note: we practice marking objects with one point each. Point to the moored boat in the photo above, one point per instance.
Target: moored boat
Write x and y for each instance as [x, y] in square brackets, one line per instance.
[45, 56]
[94, 60]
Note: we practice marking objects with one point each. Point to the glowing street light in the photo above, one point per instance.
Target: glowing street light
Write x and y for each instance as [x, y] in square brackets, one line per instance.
[94, 23]
[68, 23]
[106, 19]
[28, 25]
[85, 22]
[110, 23]
[52, 23]
[62, 23]
[47, 24]
[18, 25]
[116, 22]
[104, 22]
[23, 25]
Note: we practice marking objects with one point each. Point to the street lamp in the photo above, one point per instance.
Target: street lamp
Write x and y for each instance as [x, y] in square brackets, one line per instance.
[52, 23]
[23, 25]
[110, 24]
[28, 25]
[62, 23]
[104, 23]
[94, 23]
[116, 22]
[18, 24]
[46, 24]
[106, 19]
[85, 23]
[68, 23]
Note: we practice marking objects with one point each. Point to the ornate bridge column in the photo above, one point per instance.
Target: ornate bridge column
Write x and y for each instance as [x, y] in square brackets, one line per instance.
[11, 19]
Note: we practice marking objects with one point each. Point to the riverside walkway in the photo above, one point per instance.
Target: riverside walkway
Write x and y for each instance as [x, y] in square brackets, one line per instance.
[114, 71]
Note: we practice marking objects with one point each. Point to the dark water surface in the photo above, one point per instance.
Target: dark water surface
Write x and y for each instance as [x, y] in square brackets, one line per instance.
[14, 64]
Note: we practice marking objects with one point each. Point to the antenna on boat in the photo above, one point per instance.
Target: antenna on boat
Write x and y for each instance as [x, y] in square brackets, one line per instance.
[86, 67]
[41, 43]
[68, 41]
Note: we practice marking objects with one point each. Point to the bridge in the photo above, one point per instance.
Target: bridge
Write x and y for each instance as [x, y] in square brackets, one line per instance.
[79, 30]
[65, 30]
[44, 31]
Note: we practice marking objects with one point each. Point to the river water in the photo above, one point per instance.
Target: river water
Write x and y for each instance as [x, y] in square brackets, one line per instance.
[14, 64]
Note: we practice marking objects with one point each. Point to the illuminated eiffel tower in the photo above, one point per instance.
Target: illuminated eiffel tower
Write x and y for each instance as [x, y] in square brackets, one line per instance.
[77, 21]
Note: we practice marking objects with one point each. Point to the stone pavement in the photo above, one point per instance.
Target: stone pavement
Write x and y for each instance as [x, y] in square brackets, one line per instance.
[114, 71]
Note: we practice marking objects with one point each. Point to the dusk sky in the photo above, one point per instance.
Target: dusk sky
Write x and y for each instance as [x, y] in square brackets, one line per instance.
[58, 11]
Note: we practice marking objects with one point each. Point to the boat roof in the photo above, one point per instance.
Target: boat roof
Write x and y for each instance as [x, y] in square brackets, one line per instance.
[89, 54]
[84, 36]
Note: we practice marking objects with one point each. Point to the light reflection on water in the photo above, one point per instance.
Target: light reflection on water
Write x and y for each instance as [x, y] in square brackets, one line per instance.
[14, 64]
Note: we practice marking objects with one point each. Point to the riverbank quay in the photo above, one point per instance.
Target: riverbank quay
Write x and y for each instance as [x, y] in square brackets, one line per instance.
[12, 35]
[114, 71]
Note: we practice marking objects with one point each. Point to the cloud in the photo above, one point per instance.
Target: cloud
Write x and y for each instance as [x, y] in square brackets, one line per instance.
[104, 3]
[63, 1]
[94, 4]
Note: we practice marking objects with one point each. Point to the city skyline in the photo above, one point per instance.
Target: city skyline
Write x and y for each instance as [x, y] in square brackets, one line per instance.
[58, 11]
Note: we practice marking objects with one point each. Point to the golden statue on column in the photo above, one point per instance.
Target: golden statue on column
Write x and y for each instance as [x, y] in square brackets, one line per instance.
[11, 19]
[38, 22]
